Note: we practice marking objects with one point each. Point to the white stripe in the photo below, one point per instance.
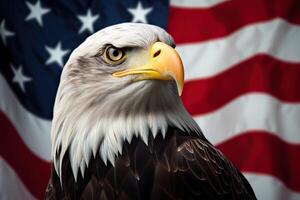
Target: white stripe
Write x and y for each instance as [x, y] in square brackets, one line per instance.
[34, 131]
[255, 111]
[195, 3]
[270, 188]
[275, 37]
[11, 187]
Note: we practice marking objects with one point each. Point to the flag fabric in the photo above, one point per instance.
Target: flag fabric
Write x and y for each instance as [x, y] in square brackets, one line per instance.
[242, 72]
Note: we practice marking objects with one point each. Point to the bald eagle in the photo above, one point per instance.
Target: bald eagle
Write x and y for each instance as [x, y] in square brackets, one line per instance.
[121, 131]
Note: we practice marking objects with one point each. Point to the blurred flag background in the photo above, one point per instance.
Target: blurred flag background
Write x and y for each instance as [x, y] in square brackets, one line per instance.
[242, 62]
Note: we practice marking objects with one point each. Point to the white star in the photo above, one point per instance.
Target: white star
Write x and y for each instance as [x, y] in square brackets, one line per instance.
[4, 32]
[87, 21]
[139, 13]
[56, 54]
[19, 77]
[36, 12]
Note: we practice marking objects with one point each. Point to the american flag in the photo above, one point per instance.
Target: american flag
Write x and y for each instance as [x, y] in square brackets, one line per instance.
[242, 63]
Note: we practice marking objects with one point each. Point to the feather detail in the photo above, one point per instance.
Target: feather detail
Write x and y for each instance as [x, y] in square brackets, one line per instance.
[181, 166]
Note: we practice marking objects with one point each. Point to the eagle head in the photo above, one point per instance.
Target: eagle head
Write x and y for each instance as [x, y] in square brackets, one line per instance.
[124, 81]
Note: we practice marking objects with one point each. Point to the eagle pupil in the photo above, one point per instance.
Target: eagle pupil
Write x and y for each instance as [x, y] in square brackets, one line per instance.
[115, 52]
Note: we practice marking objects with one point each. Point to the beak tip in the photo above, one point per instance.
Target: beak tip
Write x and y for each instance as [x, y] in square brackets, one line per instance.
[179, 88]
[180, 92]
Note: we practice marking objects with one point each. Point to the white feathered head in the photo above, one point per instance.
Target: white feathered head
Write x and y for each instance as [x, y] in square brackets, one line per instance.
[121, 82]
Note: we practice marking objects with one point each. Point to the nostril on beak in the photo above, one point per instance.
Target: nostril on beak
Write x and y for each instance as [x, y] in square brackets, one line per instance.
[156, 53]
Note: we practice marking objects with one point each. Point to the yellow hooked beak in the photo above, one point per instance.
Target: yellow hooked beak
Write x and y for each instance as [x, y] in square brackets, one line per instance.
[165, 64]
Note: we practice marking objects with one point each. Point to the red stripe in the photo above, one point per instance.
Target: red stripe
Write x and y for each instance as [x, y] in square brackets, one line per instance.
[33, 171]
[194, 25]
[261, 152]
[261, 73]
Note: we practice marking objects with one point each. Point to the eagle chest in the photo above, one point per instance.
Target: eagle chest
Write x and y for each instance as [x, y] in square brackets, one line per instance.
[175, 167]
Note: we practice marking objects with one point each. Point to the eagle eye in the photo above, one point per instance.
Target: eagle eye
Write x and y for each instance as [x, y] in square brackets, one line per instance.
[114, 54]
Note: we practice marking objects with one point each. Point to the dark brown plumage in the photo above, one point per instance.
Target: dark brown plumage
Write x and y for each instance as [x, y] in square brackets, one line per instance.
[180, 166]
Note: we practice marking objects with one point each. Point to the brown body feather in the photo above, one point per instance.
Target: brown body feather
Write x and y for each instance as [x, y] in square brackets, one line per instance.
[180, 166]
